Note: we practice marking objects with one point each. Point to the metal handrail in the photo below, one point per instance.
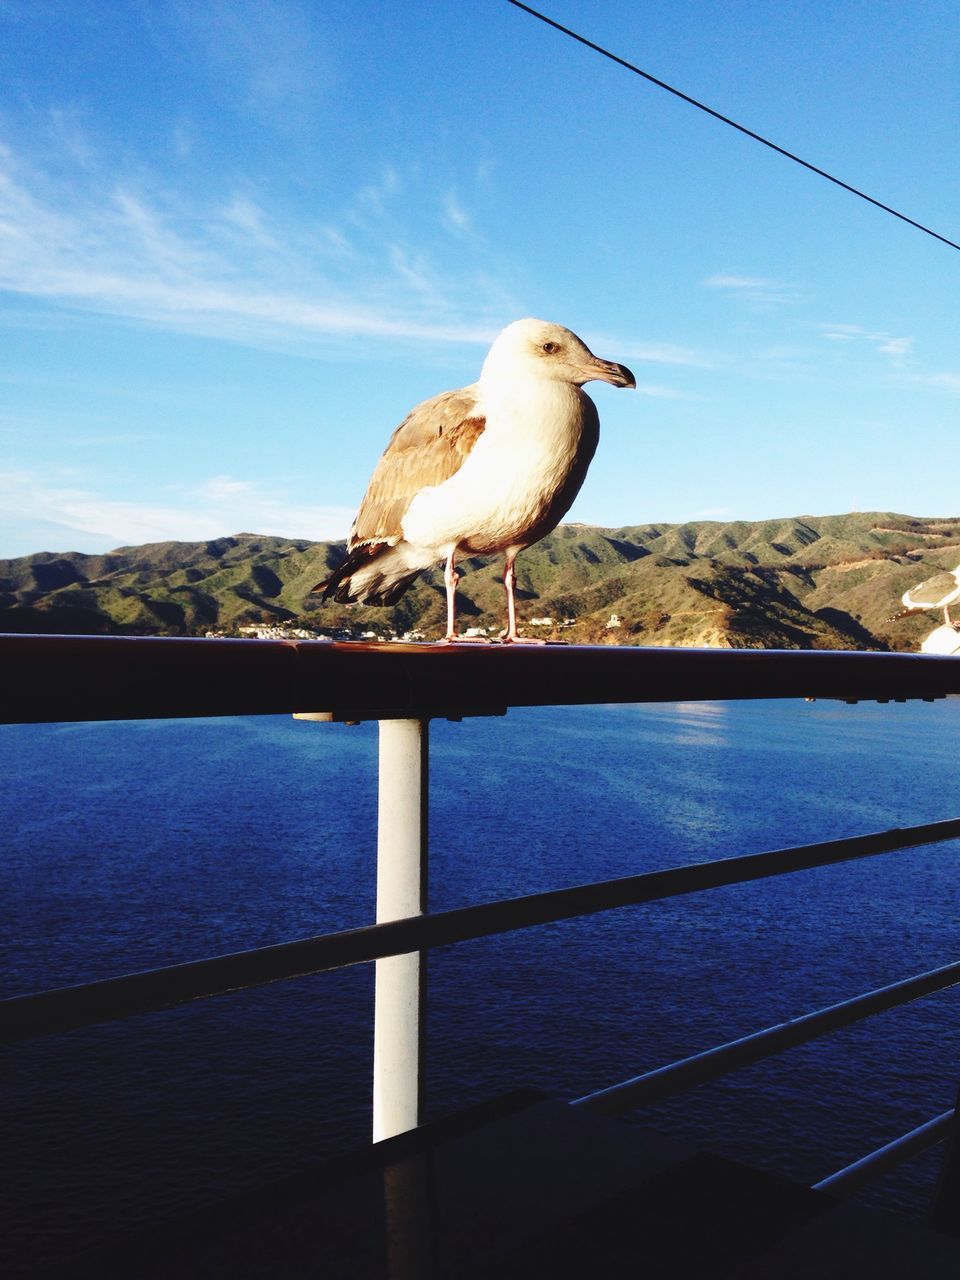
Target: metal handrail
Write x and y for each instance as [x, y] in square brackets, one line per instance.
[701, 1068]
[65, 678]
[850, 1179]
[68, 1008]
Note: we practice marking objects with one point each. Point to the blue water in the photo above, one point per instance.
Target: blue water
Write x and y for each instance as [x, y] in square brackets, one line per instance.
[126, 846]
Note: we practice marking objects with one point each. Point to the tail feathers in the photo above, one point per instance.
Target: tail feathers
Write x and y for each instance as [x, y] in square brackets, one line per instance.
[374, 574]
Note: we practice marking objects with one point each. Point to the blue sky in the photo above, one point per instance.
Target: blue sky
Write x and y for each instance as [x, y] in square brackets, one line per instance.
[240, 238]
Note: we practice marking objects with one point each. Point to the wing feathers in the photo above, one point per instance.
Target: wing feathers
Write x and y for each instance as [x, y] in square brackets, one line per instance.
[427, 448]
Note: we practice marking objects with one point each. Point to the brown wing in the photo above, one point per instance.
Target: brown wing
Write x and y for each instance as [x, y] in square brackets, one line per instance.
[428, 447]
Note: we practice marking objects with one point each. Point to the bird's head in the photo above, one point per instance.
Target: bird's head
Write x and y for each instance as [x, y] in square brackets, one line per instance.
[536, 348]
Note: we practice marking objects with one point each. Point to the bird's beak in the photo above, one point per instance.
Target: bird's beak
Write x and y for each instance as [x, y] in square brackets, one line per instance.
[618, 375]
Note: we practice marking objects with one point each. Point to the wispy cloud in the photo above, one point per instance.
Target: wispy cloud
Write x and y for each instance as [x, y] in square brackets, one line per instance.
[612, 347]
[663, 353]
[146, 254]
[896, 348]
[947, 381]
[237, 268]
[220, 505]
[661, 393]
[748, 283]
[710, 513]
[453, 216]
[265, 55]
[414, 270]
[756, 290]
[247, 219]
[374, 196]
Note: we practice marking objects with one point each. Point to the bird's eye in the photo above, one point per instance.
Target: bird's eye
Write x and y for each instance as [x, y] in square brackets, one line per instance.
[551, 347]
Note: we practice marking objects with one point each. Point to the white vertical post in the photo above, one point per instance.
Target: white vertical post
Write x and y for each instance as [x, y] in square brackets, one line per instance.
[400, 1001]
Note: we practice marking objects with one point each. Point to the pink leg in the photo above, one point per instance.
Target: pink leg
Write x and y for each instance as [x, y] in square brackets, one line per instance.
[451, 578]
[511, 636]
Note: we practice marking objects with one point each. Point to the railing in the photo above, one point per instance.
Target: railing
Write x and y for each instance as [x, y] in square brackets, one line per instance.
[56, 678]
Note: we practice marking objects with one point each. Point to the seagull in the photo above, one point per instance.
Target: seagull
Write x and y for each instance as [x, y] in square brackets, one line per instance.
[938, 592]
[492, 467]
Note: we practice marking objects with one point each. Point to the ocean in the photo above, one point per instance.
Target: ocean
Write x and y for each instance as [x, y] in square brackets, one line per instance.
[124, 846]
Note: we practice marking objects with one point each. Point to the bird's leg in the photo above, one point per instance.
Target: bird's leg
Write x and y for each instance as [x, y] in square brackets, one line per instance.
[451, 578]
[511, 636]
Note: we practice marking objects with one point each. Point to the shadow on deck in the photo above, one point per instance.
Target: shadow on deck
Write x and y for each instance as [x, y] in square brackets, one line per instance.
[523, 1187]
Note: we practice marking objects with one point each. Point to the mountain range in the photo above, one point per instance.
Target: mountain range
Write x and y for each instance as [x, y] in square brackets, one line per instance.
[810, 582]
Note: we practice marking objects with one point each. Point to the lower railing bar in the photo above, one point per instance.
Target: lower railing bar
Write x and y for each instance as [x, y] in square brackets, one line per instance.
[678, 1077]
[846, 1181]
[67, 1008]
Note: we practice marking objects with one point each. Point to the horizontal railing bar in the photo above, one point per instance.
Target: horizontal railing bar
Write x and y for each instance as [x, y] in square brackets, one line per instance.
[702, 1068]
[870, 1167]
[67, 678]
[65, 1009]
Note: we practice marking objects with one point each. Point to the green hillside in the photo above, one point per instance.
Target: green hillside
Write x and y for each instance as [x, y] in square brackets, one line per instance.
[805, 582]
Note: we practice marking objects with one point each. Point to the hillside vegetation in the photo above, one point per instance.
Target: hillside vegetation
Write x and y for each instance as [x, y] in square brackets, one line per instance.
[821, 582]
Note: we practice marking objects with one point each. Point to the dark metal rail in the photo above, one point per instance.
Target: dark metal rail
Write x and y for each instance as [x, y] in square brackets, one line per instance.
[701, 1068]
[862, 1172]
[25, 1017]
[63, 678]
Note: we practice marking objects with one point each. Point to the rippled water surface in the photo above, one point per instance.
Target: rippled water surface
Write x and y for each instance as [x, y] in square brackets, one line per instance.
[126, 846]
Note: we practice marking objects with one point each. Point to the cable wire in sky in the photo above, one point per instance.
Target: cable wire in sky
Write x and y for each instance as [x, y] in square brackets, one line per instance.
[678, 93]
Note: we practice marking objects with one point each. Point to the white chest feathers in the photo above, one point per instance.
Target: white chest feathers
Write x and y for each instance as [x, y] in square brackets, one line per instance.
[515, 474]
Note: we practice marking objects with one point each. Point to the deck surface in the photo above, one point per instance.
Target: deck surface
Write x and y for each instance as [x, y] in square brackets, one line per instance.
[531, 1187]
